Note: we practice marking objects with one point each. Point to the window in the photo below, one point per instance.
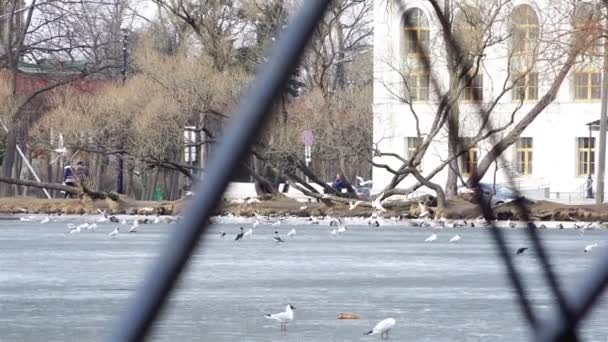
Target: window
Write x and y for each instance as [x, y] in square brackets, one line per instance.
[524, 156]
[473, 92]
[469, 159]
[585, 163]
[525, 30]
[588, 28]
[189, 148]
[468, 29]
[416, 32]
[525, 88]
[418, 87]
[411, 145]
[587, 85]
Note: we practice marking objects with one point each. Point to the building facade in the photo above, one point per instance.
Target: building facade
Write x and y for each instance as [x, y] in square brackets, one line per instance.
[517, 50]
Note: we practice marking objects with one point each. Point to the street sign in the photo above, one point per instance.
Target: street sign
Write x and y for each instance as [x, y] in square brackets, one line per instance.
[308, 138]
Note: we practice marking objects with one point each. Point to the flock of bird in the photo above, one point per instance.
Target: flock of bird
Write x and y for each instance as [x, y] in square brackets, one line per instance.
[92, 226]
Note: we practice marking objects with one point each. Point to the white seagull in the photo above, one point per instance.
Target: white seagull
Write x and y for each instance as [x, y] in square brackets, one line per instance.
[114, 233]
[91, 226]
[248, 233]
[276, 224]
[157, 219]
[382, 328]
[71, 226]
[377, 203]
[456, 238]
[256, 223]
[424, 212]
[45, 220]
[276, 237]
[334, 232]
[363, 182]
[75, 230]
[283, 317]
[431, 238]
[341, 230]
[134, 227]
[292, 232]
[352, 205]
[590, 247]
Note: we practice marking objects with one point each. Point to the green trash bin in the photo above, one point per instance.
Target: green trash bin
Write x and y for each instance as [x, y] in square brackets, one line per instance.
[158, 194]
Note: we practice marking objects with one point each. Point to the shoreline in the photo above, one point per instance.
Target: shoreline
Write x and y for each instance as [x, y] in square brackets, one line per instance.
[459, 209]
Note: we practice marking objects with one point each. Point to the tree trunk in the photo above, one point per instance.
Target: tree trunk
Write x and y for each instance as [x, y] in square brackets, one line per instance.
[7, 164]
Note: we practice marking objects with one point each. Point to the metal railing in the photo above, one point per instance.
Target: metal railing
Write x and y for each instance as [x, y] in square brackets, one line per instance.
[144, 309]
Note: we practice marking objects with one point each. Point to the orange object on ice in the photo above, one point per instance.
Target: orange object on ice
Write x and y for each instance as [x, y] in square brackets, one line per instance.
[347, 316]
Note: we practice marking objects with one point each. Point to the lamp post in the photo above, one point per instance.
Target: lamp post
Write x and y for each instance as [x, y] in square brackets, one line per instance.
[119, 180]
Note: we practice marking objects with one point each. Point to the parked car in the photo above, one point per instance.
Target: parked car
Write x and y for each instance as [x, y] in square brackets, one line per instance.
[501, 196]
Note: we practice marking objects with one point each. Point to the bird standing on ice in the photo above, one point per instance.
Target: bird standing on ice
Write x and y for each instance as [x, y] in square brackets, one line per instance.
[456, 238]
[114, 233]
[276, 237]
[342, 230]
[248, 233]
[382, 328]
[256, 223]
[239, 235]
[431, 238]
[521, 250]
[75, 230]
[334, 232]
[133, 228]
[45, 220]
[292, 233]
[278, 223]
[377, 203]
[590, 247]
[283, 317]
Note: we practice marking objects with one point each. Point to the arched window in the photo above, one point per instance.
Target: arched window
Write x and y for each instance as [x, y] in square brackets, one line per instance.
[468, 29]
[416, 32]
[525, 30]
[588, 28]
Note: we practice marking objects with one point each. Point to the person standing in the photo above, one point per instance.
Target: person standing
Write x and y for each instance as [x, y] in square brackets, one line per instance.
[69, 178]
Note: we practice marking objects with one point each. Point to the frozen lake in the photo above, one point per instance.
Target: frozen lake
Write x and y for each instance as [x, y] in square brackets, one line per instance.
[59, 287]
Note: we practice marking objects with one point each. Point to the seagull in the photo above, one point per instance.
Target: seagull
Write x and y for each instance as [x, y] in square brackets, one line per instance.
[123, 221]
[363, 182]
[75, 230]
[304, 207]
[377, 204]
[248, 233]
[334, 232]
[256, 223]
[45, 220]
[521, 250]
[456, 238]
[342, 229]
[114, 219]
[431, 238]
[590, 247]
[157, 219]
[292, 232]
[283, 317]
[276, 237]
[382, 328]
[424, 212]
[114, 233]
[91, 226]
[222, 234]
[373, 224]
[276, 224]
[352, 205]
[133, 228]
[240, 235]
[71, 226]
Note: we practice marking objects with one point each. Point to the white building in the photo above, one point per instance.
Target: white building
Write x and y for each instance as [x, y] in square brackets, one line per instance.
[554, 155]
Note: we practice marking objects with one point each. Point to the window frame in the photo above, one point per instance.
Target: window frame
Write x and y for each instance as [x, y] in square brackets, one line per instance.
[524, 156]
[589, 87]
[585, 167]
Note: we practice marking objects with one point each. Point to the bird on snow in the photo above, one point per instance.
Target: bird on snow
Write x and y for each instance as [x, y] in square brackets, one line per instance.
[521, 250]
[75, 230]
[334, 232]
[352, 205]
[157, 219]
[248, 233]
[256, 223]
[283, 317]
[424, 212]
[133, 228]
[276, 237]
[431, 238]
[363, 182]
[341, 230]
[239, 235]
[456, 238]
[382, 328]
[276, 224]
[71, 226]
[377, 203]
[590, 247]
[292, 232]
[222, 234]
[373, 224]
[114, 233]
[45, 220]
